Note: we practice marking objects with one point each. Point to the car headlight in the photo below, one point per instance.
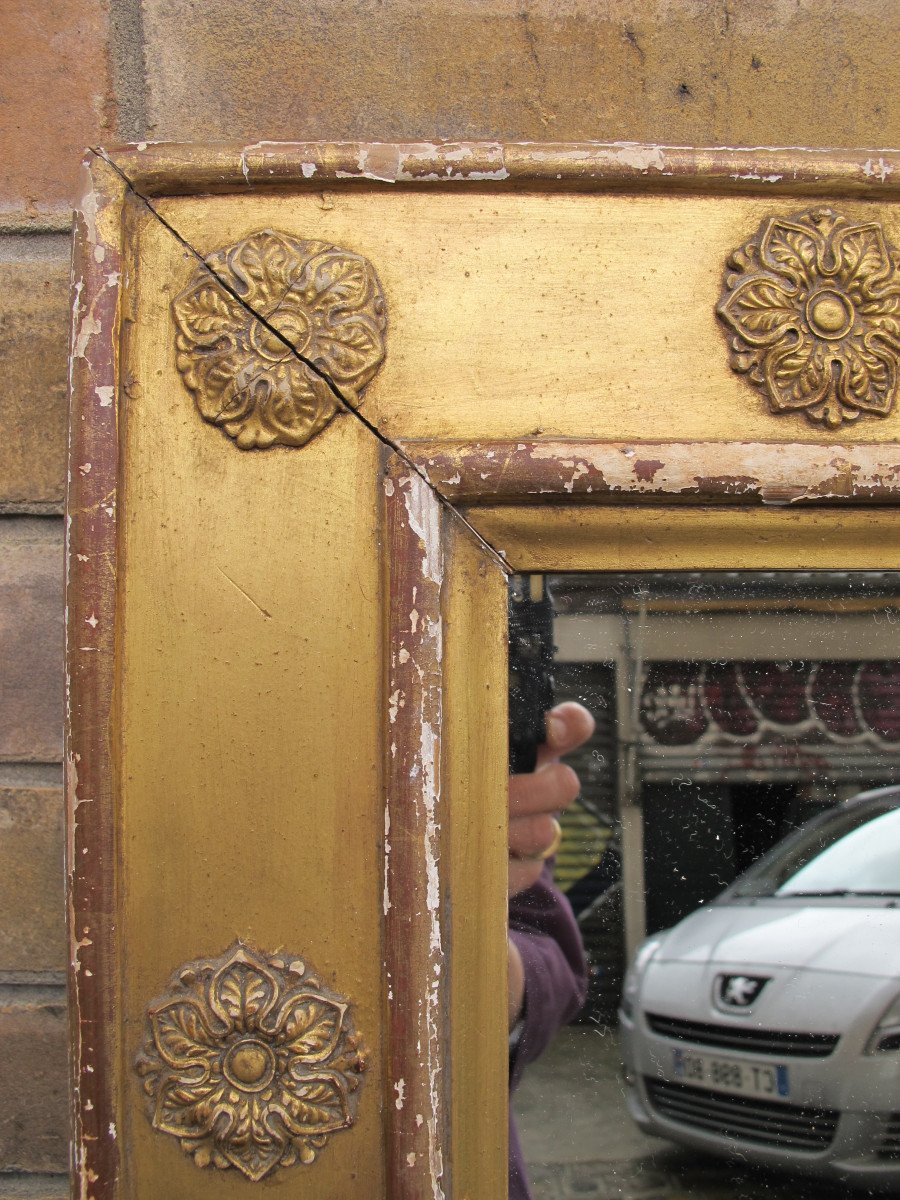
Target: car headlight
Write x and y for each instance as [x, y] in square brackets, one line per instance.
[633, 976]
[887, 1031]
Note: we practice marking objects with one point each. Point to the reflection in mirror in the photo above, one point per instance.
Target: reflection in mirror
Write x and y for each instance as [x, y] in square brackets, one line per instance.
[738, 907]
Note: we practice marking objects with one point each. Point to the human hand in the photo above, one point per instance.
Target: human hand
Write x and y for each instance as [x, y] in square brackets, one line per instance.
[535, 799]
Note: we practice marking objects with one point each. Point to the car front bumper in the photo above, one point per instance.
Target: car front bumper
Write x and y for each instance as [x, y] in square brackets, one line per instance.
[838, 1123]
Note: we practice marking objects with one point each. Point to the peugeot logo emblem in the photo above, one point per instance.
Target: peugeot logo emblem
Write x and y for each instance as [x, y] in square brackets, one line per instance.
[739, 991]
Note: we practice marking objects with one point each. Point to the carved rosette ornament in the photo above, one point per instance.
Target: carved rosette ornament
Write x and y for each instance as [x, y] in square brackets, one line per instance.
[276, 334]
[250, 1062]
[814, 303]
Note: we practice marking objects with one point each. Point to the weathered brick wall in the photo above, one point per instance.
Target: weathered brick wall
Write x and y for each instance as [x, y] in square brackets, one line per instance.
[57, 96]
[78, 72]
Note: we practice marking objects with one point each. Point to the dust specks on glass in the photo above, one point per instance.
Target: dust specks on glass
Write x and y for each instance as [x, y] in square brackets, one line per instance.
[733, 864]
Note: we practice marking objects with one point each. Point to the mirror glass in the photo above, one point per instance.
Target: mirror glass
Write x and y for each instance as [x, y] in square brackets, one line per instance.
[757, 1019]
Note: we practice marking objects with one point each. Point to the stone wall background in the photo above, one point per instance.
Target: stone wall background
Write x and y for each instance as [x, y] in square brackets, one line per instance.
[86, 72]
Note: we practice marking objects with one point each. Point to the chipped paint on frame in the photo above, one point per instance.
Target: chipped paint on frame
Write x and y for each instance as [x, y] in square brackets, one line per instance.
[413, 894]
[748, 472]
[90, 603]
[159, 169]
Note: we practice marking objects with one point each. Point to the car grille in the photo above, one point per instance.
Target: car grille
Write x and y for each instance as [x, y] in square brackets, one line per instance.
[786, 1126]
[890, 1142]
[759, 1041]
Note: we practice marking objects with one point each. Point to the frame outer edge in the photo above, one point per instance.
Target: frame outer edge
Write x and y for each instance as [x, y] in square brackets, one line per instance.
[416, 930]
[160, 169]
[416, 980]
[91, 544]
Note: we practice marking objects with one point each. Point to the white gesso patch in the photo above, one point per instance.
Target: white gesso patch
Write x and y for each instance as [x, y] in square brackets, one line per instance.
[423, 516]
[877, 170]
[386, 899]
[641, 158]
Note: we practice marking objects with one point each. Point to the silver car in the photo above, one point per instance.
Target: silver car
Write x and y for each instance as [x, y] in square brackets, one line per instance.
[767, 1024]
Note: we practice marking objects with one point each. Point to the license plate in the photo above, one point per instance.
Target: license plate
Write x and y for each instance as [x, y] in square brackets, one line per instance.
[766, 1080]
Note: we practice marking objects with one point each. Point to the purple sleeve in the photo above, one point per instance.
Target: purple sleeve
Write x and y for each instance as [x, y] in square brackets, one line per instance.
[547, 937]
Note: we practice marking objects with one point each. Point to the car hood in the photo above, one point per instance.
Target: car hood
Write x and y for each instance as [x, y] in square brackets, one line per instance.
[862, 940]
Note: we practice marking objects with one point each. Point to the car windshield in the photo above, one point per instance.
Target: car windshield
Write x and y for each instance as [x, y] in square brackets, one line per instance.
[849, 852]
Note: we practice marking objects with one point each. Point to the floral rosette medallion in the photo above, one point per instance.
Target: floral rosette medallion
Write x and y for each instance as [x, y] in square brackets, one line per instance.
[275, 333]
[250, 1062]
[814, 304]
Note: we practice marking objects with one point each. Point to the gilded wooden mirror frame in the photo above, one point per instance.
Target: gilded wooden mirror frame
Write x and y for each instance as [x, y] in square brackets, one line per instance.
[279, 734]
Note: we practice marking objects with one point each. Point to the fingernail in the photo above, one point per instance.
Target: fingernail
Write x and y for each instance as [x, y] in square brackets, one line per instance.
[556, 730]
